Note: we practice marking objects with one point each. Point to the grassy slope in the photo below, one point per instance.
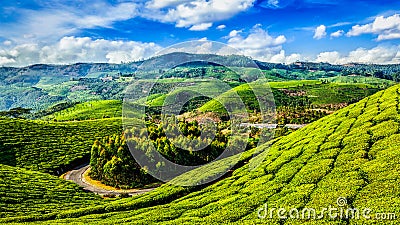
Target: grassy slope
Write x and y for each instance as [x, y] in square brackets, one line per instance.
[331, 93]
[28, 193]
[244, 91]
[89, 110]
[292, 83]
[207, 88]
[49, 146]
[334, 93]
[353, 153]
[361, 79]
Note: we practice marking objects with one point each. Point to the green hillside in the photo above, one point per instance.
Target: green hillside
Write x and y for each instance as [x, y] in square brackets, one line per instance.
[341, 90]
[377, 82]
[244, 91]
[317, 92]
[205, 87]
[353, 154]
[28, 193]
[50, 146]
[89, 110]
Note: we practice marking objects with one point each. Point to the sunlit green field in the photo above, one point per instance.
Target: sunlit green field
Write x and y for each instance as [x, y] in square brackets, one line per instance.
[353, 153]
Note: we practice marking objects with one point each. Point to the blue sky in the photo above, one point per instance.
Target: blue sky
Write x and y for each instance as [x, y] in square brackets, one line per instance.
[56, 31]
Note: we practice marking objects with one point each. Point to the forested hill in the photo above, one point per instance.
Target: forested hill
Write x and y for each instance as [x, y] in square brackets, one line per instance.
[31, 74]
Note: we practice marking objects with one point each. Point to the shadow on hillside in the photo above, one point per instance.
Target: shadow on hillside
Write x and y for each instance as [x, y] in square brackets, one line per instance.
[7, 156]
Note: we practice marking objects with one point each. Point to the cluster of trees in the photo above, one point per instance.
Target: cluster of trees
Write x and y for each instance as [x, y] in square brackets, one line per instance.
[309, 70]
[51, 147]
[298, 115]
[112, 162]
[15, 112]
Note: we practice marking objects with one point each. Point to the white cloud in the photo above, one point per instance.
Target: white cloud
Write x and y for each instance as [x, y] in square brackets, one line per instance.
[388, 36]
[201, 46]
[221, 27]
[234, 33]
[55, 19]
[330, 57]
[256, 39]
[73, 49]
[200, 27]
[376, 55]
[5, 60]
[194, 12]
[159, 4]
[340, 24]
[386, 28]
[338, 33]
[320, 32]
[257, 44]
[281, 57]
[7, 43]
[52, 23]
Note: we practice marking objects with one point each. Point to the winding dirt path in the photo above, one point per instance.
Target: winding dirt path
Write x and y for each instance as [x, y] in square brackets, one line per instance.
[77, 177]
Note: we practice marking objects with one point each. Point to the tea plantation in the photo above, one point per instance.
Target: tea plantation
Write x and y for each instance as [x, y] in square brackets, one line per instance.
[317, 93]
[89, 110]
[28, 193]
[352, 154]
[50, 146]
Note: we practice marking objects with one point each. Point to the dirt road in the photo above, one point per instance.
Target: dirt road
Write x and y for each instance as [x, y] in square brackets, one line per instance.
[77, 177]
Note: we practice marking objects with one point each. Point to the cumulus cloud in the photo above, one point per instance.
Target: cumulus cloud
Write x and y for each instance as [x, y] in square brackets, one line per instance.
[330, 57]
[6, 61]
[338, 33]
[281, 57]
[376, 55]
[7, 43]
[234, 33]
[257, 43]
[194, 13]
[221, 27]
[77, 49]
[53, 23]
[200, 27]
[320, 32]
[201, 46]
[256, 39]
[54, 19]
[159, 4]
[385, 27]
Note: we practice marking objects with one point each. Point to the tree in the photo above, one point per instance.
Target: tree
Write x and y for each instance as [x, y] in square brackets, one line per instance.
[379, 74]
[15, 112]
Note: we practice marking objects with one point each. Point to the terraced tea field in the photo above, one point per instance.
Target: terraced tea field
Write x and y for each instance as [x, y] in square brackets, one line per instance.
[29, 193]
[51, 147]
[353, 154]
[89, 110]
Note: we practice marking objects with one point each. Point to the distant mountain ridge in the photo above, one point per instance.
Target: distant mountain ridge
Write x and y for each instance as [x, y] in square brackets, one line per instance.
[86, 69]
[8, 74]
